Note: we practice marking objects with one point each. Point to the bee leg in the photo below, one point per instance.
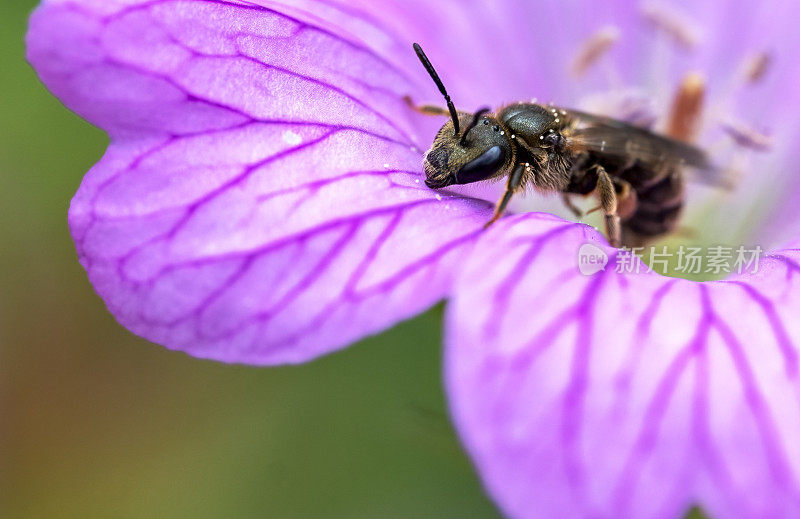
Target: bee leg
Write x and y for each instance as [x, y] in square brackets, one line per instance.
[426, 109]
[514, 182]
[566, 199]
[608, 203]
[626, 198]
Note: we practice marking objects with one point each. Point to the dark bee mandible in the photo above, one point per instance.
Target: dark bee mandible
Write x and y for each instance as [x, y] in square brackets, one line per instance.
[636, 174]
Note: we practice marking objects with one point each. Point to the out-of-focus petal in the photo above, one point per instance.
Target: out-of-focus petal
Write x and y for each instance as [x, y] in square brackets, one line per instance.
[261, 200]
[619, 394]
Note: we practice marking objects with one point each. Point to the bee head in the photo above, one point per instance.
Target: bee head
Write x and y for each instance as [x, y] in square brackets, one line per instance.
[483, 150]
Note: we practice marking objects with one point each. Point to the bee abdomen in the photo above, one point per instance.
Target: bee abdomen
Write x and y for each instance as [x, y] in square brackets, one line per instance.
[658, 208]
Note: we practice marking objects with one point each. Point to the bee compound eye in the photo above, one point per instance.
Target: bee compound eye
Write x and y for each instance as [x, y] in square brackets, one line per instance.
[482, 167]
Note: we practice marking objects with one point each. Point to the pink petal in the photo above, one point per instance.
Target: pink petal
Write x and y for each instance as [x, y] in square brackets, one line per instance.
[261, 199]
[623, 395]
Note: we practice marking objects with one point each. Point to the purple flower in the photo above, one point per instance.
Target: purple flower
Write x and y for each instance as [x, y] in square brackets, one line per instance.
[262, 202]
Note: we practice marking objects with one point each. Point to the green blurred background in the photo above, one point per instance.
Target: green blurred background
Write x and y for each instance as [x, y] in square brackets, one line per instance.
[99, 423]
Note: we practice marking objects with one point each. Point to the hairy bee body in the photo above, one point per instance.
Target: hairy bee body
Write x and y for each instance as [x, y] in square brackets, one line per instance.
[653, 206]
[656, 204]
[637, 175]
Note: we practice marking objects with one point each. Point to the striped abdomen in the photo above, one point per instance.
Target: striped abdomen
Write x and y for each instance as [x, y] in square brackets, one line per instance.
[658, 204]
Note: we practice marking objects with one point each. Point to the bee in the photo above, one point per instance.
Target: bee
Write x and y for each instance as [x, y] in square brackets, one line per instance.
[636, 174]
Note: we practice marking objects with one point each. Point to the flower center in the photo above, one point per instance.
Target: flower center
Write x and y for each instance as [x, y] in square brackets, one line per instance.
[695, 250]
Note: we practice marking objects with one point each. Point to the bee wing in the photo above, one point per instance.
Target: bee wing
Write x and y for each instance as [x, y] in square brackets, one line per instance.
[620, 141]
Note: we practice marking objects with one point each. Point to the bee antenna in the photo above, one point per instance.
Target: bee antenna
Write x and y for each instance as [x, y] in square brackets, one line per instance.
[475, 119]
[427, 64]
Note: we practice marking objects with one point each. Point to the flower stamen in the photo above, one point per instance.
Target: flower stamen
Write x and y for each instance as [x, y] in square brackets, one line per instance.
[593, 49]
[757, 66]
[687, 108]
[747, 137]
[676, 24]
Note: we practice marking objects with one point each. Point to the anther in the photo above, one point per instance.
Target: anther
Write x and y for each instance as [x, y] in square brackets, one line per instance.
[594, 48]
[687, 108]
[757, 66]
[682, 29]
[747, 137]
